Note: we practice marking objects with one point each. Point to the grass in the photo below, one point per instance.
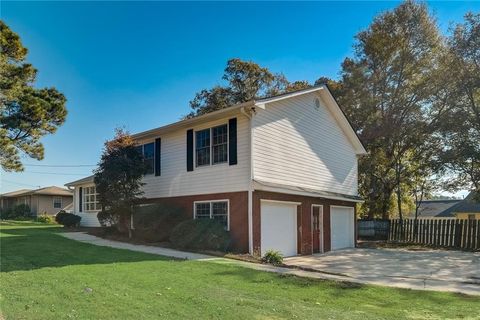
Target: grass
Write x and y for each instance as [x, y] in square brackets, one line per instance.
[46, 276]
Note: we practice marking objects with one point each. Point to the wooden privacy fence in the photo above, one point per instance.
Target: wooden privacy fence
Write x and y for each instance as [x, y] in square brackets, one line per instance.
[452, 233]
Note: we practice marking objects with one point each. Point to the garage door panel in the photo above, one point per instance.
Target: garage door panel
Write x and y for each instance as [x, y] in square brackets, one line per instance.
[278, 228]
[342, 227]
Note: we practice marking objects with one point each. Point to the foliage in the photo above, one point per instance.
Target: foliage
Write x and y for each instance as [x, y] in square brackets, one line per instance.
[45, 218]
[386, 89]
[60, 216]
[26, 113]
[246, 81]
[273, 257]
[460, 125]
[200, 234]
[18, 211]
[107, 218]
[118, 177]
[154, 223]
[67, 219]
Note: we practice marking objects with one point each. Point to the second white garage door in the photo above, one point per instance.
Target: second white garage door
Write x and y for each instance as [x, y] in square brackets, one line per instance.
[278, 229]
[342, 227]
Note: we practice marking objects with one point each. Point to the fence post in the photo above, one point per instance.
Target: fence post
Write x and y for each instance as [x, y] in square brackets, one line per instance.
[458, 235]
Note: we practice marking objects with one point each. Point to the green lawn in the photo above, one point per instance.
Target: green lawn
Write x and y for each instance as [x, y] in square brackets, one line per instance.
[45, 276]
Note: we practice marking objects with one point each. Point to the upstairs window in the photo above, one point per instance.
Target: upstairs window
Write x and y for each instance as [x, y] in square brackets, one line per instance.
[57, 202]
[220, 144]
[202, 147]
[148, 152]
[216, 210]
[211, 146]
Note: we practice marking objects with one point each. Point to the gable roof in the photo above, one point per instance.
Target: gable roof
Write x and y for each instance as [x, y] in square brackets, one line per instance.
[47, 191]
[432, 208]
[16, 193]
[325, 92]
[80, 181]
[471, 204]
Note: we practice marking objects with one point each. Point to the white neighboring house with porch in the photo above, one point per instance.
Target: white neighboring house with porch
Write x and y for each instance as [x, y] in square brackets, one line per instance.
[280, 173]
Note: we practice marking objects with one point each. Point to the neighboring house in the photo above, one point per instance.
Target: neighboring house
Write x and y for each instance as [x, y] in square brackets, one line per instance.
[468, 208]
[49, 200]
[280, 173]
[430, 209]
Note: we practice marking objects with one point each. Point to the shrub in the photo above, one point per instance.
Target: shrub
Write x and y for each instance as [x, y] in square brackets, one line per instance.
[68, 219]
[273, 257]
[154, 223]
[107, 218]
[45, 218]
[60, 216]
[18, 211]
[201, 234]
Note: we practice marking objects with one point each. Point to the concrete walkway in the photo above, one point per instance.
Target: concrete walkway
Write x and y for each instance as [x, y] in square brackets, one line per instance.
[326, 273]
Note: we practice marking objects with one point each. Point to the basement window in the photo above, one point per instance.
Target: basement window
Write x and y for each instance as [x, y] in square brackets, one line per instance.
[216, 210]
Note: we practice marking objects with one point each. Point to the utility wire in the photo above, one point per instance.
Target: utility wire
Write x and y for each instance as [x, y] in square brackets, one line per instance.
[60, 165]
[60, 174]
[19, 183]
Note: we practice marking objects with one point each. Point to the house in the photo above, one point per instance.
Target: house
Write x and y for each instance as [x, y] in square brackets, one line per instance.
[468, 208]
[280, 173]
[430, 209]
[48, 200]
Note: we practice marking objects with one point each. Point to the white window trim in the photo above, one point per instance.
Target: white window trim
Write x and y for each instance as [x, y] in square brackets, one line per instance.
[53, 202]
[84, 203]
[321, 236]
[211, 147]
[211, 209]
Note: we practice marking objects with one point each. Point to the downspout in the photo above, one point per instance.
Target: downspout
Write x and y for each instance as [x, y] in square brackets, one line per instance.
[250, 185]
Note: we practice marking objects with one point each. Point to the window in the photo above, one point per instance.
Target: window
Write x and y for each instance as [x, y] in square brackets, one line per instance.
[219, 144]
[211, 143]
[57, 202]
[202, 147]
[217, 210]
[148, 152]
[90, 202]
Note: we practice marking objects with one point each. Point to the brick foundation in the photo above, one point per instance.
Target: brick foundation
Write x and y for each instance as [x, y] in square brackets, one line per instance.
[238, 213]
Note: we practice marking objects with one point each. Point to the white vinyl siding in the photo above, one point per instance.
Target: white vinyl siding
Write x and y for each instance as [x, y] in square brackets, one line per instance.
[297, 144]
[219, 178]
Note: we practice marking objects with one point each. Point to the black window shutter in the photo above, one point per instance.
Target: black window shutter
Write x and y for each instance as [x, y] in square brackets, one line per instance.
[190, 150]
[232, 141]
[80, 199]
[158, 158]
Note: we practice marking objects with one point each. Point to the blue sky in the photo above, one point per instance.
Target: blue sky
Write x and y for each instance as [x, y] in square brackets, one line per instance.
[137, 64]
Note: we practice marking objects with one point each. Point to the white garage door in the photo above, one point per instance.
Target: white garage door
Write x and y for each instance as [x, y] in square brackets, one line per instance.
[278, 227]
[342, 227]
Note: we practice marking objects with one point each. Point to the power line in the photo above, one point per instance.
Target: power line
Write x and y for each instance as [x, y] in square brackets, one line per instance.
[60, 174]
[60, 165]
[19, 183]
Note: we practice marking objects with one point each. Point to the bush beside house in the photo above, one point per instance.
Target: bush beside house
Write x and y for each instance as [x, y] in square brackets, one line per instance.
[155, 222]
[201, 235]
[67, 219]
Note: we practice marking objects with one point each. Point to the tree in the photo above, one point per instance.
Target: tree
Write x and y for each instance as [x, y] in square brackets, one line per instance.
[460, 126]
[386, 90]
[246, 81]
[118, 178]
[26, 113]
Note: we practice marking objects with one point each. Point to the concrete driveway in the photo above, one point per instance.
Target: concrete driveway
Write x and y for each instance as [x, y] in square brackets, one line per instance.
[432, 270]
